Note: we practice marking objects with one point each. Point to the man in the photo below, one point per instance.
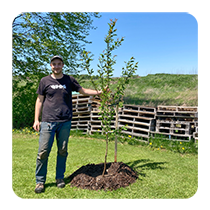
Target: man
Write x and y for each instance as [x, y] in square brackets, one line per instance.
[55, 97]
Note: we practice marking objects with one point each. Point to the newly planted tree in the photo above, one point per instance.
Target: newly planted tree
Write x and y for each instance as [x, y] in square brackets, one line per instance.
[112, 94]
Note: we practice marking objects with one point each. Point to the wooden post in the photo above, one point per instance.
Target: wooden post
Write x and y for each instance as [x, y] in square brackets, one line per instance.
[116, 127]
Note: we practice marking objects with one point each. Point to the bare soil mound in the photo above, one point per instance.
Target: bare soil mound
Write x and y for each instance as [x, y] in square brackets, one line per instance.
[90, 176]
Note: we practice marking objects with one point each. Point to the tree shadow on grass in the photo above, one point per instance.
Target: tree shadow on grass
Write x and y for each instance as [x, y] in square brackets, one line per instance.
[145, 164]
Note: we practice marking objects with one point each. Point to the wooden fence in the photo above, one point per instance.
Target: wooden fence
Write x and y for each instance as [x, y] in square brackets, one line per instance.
[172, 122]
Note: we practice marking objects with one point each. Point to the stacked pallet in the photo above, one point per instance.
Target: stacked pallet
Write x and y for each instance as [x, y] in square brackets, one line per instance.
[176, 122]
[139, 120]
[84, 112]
[81, 106]
[95, 103]
[96, 123]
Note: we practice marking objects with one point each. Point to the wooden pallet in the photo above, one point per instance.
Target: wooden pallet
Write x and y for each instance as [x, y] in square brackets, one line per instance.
[175, 124]
[93, 102]
[148, 125]
[80, 105]
[140, 120]
[138, 111]
[82, 125]
[139, 108]
[81, 109]
[95, 115]
[177, 108]
[78, 116]
[137, 126]
[177, 113]
[80, 96]
[135, 119]
[96, 122]
[184, 128]
[181, 114]
[173, 131]
[98, 128]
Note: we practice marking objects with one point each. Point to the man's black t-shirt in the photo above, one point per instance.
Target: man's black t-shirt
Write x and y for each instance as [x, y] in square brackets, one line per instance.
[57, 104]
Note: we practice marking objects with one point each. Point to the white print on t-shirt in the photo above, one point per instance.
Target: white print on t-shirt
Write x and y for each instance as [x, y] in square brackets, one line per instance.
[58, 86]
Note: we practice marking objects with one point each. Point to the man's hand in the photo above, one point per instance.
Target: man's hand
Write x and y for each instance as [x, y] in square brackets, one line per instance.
[36, 126]
[107, 89]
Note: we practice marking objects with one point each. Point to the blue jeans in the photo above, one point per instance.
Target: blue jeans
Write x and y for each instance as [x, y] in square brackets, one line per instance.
[47, 133]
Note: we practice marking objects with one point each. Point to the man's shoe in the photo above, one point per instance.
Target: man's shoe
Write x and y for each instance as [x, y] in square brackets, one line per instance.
[60, 183]
[39, 188]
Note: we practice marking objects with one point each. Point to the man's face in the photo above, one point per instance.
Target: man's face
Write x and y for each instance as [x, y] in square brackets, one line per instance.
[57, 66]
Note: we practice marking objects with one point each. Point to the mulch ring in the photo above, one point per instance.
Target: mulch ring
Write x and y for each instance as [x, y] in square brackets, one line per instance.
[90, 176]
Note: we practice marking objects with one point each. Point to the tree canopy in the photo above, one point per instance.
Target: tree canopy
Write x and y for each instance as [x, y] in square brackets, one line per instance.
[39, 36]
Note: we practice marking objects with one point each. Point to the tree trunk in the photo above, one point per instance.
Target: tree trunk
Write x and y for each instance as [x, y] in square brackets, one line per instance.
[105, 154]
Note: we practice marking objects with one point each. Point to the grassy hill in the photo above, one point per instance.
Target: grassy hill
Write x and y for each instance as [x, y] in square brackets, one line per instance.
[160, 89]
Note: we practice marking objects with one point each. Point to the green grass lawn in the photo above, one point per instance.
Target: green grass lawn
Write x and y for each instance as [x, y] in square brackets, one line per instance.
[162, 173]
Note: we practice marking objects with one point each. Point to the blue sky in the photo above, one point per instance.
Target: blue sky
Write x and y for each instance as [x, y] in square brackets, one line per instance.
[160, 42]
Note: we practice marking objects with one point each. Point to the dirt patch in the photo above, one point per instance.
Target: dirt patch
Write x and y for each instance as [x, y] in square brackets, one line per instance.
[90, 176]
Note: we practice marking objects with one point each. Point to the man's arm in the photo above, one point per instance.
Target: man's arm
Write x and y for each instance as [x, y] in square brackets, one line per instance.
[38, 107]
[89, 92]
